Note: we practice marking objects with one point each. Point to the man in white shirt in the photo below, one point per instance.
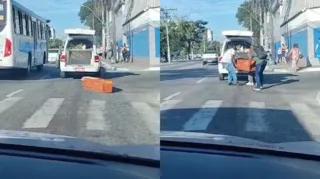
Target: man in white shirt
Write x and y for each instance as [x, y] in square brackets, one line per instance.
[228, 62]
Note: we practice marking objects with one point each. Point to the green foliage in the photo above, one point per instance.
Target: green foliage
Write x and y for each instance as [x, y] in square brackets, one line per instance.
[91, 20]
[184, 36]
[251, 9]
[213, 46]
[55, 43]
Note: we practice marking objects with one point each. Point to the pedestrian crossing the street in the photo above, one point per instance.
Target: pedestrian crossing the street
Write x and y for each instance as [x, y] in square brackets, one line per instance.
[252, 117]
[98, 115]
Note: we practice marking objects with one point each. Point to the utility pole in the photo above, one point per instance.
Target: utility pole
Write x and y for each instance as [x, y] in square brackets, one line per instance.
[204, 41]
[166, 13]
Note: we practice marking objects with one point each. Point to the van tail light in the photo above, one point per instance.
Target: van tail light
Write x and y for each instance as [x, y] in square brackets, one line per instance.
[63, 58]
[219, 59]
[8, 48]
[96, 59]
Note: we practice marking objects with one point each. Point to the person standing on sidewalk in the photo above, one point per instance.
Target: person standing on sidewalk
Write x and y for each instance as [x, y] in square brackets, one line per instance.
[228, 61]
[261, 63]
[124, 52]
[119, 53]
[295, 56]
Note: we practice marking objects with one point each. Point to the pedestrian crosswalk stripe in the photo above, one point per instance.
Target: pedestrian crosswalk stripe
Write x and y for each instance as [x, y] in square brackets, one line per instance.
[42, 117]
[166, 105]
[95, 115]
[201, 119]
[306, 116]
[8, 103]
[256, 121]
[149, 115]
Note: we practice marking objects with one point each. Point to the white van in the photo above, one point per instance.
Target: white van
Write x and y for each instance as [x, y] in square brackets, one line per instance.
[80, 53]
[233, 38]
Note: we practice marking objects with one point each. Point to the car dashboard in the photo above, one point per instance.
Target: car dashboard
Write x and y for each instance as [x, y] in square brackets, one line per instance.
[189, 162]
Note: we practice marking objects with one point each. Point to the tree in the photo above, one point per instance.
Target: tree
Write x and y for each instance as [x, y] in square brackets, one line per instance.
[251, 10]
[213, 46]
[55, 43]
[90, 14]
[184, 36]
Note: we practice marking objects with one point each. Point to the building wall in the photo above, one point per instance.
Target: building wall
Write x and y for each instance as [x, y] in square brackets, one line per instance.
[144, 36]
[303, 28]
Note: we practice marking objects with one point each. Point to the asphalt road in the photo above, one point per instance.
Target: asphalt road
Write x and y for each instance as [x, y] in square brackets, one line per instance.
[193, 99]
[42, 102]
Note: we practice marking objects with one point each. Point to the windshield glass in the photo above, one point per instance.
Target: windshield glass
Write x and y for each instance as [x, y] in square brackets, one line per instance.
[264, 88]
[109, 98]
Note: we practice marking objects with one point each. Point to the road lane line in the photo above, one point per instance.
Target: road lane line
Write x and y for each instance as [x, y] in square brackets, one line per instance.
[306, 117]
[256, 121]
[45, 76]
[95, 112]
[318, 97]
[42, 117]
[172, 96]
[150, 116]
[166, 105]
[200, 120]
[201, 80]
[13, 93]
[8, 103]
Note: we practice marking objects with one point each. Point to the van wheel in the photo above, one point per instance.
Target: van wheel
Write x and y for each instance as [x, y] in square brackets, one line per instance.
[28, 70]
[63, 74]
[221, 77]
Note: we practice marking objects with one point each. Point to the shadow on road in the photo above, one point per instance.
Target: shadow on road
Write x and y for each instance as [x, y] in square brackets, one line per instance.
[272, 80]
[266, 125]
[166, 75]
[49, 71]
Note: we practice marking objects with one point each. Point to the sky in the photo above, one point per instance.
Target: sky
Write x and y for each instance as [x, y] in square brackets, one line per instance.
[220, 14]
[62, 13]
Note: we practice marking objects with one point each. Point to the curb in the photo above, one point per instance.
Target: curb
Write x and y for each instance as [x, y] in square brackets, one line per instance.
[316, 69]
[109, 67]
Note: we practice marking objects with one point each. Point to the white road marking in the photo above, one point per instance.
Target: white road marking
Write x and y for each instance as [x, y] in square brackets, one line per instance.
[8, 103]
[166, 105]
[172, 96]
[306, 117]
[201, 119]
[318, 97]
[45, 76]
[13, 93]
[95, 112]
[256, 121]
[42, 117]
[201, 80]
[150, 116]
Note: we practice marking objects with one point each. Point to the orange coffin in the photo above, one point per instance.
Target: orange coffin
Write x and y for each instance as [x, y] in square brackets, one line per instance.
[97, 84]
[245, 65]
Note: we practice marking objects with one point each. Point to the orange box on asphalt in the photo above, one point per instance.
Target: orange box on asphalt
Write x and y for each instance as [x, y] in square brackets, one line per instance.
[97, 84]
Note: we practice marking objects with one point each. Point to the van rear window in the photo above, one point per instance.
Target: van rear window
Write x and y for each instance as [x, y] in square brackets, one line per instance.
[3, 14]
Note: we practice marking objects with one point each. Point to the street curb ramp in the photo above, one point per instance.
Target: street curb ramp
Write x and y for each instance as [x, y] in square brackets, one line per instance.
[97, 84]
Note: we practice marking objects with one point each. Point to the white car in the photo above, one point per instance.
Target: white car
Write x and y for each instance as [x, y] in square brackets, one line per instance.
[80, 54]
[233, 38]
[209, 58]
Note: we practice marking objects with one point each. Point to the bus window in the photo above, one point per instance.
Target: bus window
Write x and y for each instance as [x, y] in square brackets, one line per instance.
[3, 14]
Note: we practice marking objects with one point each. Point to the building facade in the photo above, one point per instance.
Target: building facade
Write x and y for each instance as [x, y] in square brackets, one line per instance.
[137, 24]
[297, 21]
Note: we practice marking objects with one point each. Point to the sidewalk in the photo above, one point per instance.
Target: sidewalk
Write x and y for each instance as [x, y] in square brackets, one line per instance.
[286, 68]
[136, 66]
